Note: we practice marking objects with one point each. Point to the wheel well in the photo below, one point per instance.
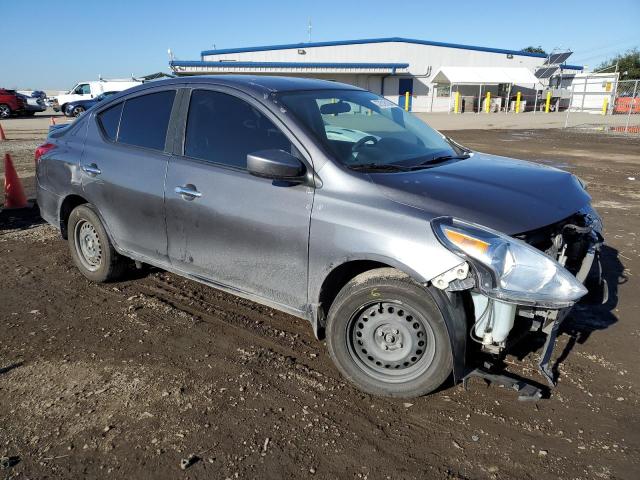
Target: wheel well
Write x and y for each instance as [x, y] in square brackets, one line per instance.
[69, 203]
[334, 282]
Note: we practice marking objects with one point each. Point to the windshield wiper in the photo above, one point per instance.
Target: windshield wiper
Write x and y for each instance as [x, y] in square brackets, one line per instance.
[439, 159]
[379, 167]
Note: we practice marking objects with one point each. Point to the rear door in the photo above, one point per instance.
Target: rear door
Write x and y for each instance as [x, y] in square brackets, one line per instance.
[237, 230]
[123, 170]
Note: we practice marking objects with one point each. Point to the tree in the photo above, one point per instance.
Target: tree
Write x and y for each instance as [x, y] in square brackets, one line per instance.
[628, 64]
[532, 49]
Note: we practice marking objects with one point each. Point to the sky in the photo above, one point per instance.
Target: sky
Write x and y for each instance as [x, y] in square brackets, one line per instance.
[54, 45]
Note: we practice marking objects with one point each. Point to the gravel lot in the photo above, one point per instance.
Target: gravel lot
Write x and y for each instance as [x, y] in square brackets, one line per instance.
[128, 380]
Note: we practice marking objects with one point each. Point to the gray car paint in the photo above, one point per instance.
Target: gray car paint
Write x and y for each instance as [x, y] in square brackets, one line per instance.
[507, 195]
[129, 191]
[255, 247]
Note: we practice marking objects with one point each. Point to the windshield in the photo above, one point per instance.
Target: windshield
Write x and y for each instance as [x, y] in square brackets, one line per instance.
[361, 129]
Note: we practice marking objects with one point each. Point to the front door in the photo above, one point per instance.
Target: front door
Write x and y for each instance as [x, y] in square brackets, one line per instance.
[225, 225]
[405, 85]
[123, 167]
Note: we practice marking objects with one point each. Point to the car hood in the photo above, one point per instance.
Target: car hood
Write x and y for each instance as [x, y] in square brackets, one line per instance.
[511, 196]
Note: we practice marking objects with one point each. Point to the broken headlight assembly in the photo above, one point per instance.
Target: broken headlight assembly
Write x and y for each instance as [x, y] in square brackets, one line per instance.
[508, 269]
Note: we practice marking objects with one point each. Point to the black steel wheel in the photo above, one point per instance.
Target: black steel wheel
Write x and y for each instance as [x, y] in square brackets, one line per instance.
[387, 335]
[391, 341]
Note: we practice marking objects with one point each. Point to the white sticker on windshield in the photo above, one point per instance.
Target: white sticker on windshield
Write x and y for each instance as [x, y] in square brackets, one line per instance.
[383, 103]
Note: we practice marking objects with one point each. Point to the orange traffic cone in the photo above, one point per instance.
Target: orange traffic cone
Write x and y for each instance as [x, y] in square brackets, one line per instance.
[14, 196]
[53, 121]
[2, 135]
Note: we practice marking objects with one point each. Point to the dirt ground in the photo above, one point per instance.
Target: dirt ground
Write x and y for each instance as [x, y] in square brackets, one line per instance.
[127, 380]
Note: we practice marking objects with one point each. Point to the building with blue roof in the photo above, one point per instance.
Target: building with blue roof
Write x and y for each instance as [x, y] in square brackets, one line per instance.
[417, 74]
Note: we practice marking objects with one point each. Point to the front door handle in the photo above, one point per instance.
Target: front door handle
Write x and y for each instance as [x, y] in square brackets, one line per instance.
[188, 192]
[92, 169]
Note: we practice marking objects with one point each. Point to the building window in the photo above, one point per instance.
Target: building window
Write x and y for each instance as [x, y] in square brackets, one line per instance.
[443, 91]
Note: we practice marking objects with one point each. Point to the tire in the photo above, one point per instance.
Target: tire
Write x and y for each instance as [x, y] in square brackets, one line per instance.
[5, 110]
[77, 111]
[90, 247]
[386, 308]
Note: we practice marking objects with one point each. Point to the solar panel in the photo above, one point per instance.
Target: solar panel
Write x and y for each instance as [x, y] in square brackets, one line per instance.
[546, 72]
[557, 58]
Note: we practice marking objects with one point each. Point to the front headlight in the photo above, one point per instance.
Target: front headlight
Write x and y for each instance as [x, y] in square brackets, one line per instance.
[509, 269]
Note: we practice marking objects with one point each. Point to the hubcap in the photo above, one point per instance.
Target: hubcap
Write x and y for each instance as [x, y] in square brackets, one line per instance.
[391, 341]
[4, 111]
[88, 245]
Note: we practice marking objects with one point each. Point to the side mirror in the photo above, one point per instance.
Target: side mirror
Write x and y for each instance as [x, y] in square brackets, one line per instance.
[275, 164]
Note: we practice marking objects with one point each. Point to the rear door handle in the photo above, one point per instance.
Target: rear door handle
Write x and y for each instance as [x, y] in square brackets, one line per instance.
[92, 169]
[188, 192]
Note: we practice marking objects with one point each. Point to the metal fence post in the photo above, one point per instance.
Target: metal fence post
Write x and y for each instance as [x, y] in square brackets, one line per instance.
[566, 119]
[632, 103]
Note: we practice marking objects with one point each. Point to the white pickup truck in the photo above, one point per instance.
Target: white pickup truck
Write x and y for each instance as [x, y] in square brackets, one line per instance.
[91, 89]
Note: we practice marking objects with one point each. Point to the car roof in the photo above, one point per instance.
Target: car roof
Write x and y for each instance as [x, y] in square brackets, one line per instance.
[253, 83]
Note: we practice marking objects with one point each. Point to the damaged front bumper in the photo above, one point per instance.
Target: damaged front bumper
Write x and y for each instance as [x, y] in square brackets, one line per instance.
[575, 243]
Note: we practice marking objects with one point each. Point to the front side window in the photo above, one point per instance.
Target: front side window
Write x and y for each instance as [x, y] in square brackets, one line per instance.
[223, 129]
[83, 89]
[109, 120]
[360, 128]
[145, 120]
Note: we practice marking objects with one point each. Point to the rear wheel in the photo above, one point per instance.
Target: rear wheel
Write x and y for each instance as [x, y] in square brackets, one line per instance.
[90, 247]
[387, 335]
[5, 111]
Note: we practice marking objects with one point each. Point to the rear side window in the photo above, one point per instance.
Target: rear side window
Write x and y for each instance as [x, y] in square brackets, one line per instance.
[109, 120]
[145, 120]
[223, 129]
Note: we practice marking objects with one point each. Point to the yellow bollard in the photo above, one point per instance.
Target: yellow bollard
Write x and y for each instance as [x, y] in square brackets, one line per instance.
[605, 105]
[406, 101]
[456, 102]
[518, 95]
[487, 103]
[547, 105]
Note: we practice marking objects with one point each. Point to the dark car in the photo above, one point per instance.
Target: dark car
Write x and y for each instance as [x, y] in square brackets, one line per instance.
[417, 258]
[77, 108]
[11, 103]
[33, 104]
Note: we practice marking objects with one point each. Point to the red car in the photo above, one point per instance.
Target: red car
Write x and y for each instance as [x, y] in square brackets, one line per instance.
[10, 103]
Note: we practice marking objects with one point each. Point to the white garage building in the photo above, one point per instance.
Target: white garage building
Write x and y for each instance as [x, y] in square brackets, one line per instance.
[391, 67]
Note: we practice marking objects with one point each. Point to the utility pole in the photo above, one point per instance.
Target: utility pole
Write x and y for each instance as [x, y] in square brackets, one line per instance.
[309, 27]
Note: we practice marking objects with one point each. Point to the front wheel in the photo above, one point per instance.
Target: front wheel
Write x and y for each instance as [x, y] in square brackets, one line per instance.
[5, 111]
[77, 111]
[387, 335]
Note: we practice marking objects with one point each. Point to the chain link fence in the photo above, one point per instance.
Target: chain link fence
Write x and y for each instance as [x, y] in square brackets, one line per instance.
[605, 106]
